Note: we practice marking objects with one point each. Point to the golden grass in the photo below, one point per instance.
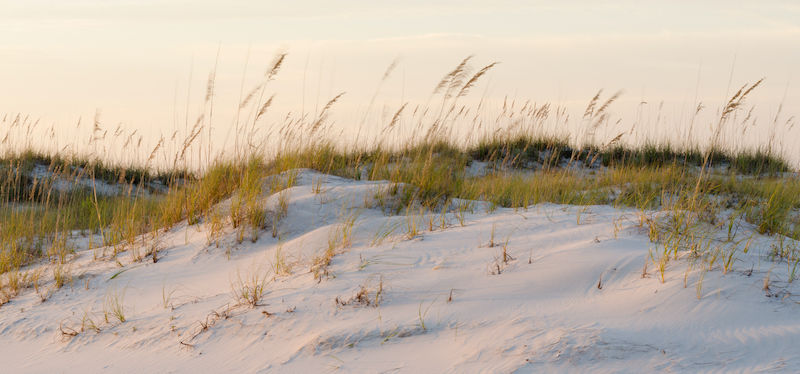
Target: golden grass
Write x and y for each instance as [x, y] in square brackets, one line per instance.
[526, 164]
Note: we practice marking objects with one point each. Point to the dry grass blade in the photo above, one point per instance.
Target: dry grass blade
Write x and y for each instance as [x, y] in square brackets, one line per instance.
[250, 95]
[277, 62]
[323, 115]
[390, 69]
[264, 107]
[471, 82]
[589, 112]
[395, 118]
[608, 102]
[453, 75]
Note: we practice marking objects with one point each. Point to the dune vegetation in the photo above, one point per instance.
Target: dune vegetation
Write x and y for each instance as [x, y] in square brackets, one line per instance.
[56, 204]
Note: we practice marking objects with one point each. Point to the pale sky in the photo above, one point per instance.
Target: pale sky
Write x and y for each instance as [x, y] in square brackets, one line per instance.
[132, 60]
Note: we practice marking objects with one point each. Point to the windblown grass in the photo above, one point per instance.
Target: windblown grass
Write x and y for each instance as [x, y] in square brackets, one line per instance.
[523, 165]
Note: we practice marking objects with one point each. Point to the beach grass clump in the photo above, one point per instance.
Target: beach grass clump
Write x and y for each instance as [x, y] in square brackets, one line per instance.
[522, 155]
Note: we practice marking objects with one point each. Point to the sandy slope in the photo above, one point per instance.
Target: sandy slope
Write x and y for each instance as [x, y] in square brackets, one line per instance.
[444, 308]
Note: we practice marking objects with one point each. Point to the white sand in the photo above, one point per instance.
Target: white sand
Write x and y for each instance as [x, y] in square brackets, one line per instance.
[542, 313]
